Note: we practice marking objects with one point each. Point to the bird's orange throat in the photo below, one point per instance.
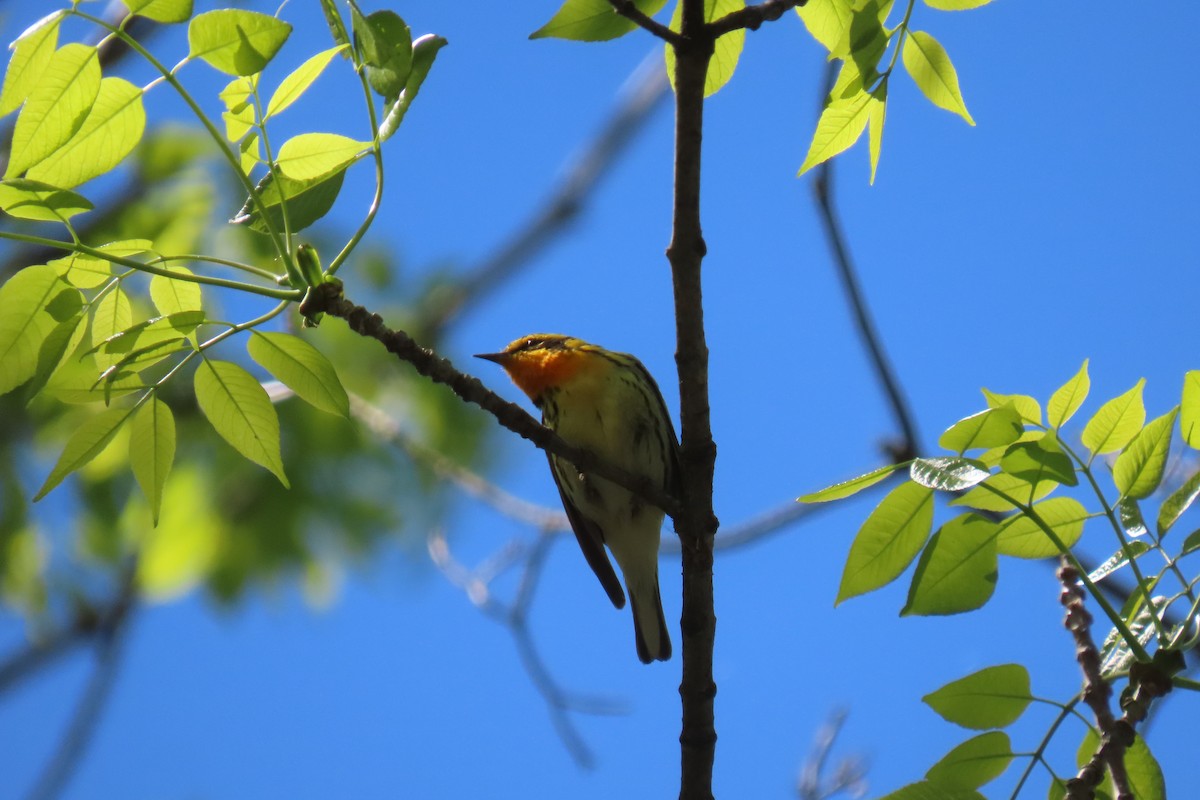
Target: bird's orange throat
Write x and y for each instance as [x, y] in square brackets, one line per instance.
[535, 372]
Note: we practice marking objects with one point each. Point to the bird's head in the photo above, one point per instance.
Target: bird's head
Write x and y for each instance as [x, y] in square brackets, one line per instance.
[542, 361]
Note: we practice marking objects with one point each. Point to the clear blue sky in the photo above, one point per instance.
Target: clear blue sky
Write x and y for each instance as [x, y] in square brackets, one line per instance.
[1063, 227]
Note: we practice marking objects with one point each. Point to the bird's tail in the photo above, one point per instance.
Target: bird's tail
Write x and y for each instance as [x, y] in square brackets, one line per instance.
[649, 624]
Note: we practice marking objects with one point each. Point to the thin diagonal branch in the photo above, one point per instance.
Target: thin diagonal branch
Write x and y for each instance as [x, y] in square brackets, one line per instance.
[328, 298]
[752, 17]
[630, 11]
[901, 412]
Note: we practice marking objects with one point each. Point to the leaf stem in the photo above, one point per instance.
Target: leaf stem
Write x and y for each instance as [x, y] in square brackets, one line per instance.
[376, 201]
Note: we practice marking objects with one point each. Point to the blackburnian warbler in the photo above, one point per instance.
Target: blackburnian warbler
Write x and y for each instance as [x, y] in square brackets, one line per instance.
[608, 403]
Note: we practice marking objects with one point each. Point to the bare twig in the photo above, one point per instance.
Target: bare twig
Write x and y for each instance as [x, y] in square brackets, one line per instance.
[823, 189]
[752, 17]
[642, 93]
[515, 616]
[627, 9]
[849, 775]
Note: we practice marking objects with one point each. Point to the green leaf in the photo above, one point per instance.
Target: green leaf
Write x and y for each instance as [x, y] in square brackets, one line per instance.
[113, 315]
[727, 51]
[1189, 410]
[1178, 502]
[85, 444]
[307, 201]
[592, 20]
[112, 129]
[994, 697]
[295, 84]
[957, 571]
[75, 382]
[26, 199]
[1117, 422]
[948, 474]
[56, 107]
[973, 763]
[1139, 468]
[1020, 536]
[425, 50]
[1117, 560]
[827, 20]
[25, 322]
[240, 113]
[241, 413]
[161, 10]
[852, 486]
[302, 368]
[1129, 513]
[841, 123]
[175, 296]
[888, 541]
[875, 120]
[930, 67]
[1067, 399]
[983, 498]
[32, 53]
[385, 44]
[152, 449]
[313, 156]
[1190, 544]
[174, 556]
[148, 333]
[1026, 407]
[956, 5]
[58, 345]
[235, 41]
[1035, 462]
[990, 428]
[865, 40]
[926, 790]
[87, 272]
[337, 28]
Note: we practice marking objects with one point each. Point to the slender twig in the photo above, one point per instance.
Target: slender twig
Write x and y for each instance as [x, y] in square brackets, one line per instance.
[752, 17]
[849, 775]
[642, 94]
[328, 298]
[901, 412]
[627, 9]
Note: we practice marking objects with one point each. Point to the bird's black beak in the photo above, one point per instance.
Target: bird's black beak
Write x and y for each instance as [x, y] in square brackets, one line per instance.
[498, 358]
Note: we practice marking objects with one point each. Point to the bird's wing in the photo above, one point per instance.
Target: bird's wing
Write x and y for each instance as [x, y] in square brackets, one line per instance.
[591, 541]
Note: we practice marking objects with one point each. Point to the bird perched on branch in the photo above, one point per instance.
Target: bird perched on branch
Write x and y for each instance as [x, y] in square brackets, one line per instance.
[606, 402]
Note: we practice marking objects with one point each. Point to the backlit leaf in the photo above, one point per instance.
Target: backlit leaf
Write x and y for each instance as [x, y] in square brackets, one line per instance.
[311, 156]
[173, 296]
[32, 52]
[56, 107]
[888, 541]
[88, 440]
[1027, 407]
[931, 69]
[161, 10]
[990, 428]
[25, 322]
[852, 486]
[295, 84]
[113, 315]
[592, 20]
[240, 411]
[953, 474]
[235, 41]
[1139, 468]
[1022, 537]
[1189, 409]
[974, 762]
[152, 450]
[957, 571]
[994, 697]
[983, 498]
[1067, 399]
[1116, 422]
[827, 20]
[302, 368]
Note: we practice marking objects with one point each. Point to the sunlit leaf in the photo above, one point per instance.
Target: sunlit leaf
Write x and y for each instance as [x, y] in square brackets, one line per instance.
[841, 123]
[25, 322]
[1117, 560]
[1116, 422]
[928, 790]
[994, 697]
[1038, 461]
[990, 428]
[878, 115]
[947, 474]
[26, 199]
[307, 201]
[384, 42]
[956, 5]
[888, 541]
[32, 52]
[179, 552]
[1145, 775]
[152, 450]
[295, 84]
[1027, 407]
[957, 571]
[973, 763]
[1129, 514]
[1067, 399]
[302, 368]
[312, 156]
[931, 69]
[161, 10]
[88, 440]
[1178, 502]
[1022, 537]
[1189, 410]
[827, 20]
[112, 316]
[56, 108]
[240, 411]
[111, 130]
[985, 498]
[1139, 468]
[235, 41]
[852, 486]
[175, 296]
[592, 20]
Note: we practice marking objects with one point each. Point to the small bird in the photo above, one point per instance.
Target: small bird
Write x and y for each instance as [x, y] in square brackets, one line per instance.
[608, 403]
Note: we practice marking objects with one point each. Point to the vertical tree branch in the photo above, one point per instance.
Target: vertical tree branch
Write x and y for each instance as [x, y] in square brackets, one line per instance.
[696, 524]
